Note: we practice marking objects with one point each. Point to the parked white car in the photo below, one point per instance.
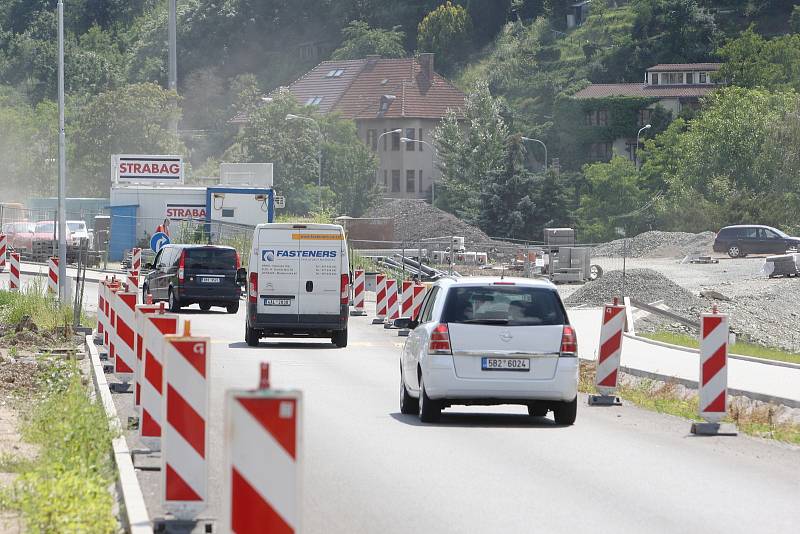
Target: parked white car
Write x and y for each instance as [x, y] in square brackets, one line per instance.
[489, 341]
[78, 231]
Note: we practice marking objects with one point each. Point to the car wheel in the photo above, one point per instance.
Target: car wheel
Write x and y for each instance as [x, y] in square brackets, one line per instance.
[537, 410]
[339, 338]
[251, 336]
[205, 306]
[408, 404]
[174, 303]
[429, 410]
[734, 251]
[232, 308]
[565, 412]
[145, 291]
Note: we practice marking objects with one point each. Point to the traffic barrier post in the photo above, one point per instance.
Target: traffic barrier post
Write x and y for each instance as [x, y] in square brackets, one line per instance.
[713, 381]
[3, 251]
[263, 459]
[14, 283]
[380, 298]
[406, 304]
[52, 275]
[111, 304]
[608, 356]
[136, 259]
[359, 285]
[184, 470]
[156, 327]
[392, 303]
[419, 296]
[139, 320]
[125, 348]
[132, 279]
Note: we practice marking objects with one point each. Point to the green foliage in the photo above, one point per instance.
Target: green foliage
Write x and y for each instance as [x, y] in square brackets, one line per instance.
[753, 61]
[360, 41]
[445, 32]
[794, 19]
[45, 311]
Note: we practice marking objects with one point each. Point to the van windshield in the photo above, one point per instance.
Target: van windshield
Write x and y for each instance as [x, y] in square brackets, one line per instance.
[210, 258]
[503, 305]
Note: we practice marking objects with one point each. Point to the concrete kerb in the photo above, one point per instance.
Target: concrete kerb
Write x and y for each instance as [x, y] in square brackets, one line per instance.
[133, 509]
[764, 361]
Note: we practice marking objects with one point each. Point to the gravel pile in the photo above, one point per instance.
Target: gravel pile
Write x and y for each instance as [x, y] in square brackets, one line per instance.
[644, 285]
[415, 220]
[656, 244]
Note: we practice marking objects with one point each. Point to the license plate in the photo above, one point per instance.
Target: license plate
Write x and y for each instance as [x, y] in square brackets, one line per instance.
[505, 364]
[277, 302]
[209, 280]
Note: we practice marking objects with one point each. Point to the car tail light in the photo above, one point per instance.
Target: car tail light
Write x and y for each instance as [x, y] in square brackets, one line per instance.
[238, 261]
[440, 340]
[345, 290]
[569, 342]
[253, 294]
[182, 266]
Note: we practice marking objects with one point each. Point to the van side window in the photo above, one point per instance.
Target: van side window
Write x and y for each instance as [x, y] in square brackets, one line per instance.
[427, 309]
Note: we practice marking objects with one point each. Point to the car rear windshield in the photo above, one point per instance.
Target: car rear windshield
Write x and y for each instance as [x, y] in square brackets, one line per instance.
[503, 305]
[210, 258]
[76, 226]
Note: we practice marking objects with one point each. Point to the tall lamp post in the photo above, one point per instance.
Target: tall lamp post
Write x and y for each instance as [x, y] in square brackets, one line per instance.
[636, 154]
[435, 154]
[626, 243]
[62, 166]
[292, 117]
[543, 146]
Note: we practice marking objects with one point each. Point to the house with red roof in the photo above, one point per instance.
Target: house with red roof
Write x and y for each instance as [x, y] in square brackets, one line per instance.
[396, 104]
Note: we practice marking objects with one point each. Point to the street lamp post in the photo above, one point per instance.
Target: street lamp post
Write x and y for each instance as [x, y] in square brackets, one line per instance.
[172, 38]
[636, 154]
[62, 166]
[435, 154]
[543, 145]
[292, 117]
[626, 242]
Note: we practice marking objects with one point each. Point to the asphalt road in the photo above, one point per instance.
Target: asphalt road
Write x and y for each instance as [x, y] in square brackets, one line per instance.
[366, 468]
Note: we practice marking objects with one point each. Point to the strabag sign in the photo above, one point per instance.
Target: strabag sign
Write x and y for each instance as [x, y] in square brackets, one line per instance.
[147, 169]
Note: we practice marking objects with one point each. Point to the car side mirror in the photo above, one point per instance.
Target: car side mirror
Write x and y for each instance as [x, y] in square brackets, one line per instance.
[405, 323]
[148, 266]
[241, 276]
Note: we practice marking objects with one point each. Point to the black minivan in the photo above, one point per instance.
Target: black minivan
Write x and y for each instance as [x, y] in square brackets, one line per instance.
[195, 274]
[743, 239]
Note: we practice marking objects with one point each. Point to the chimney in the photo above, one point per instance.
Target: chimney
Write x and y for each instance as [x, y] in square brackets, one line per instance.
[425, 61]
[372, 60]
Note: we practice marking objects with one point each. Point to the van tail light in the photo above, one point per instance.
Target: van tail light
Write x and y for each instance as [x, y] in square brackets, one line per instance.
[345, 290]
[569, 342]
[182, 266]
[440, 340]
[253, 294]
[238, 261]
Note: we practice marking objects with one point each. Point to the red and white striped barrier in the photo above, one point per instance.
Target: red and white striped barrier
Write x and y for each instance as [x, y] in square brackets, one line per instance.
[111, 306]
[713, 366]
[380, 298]
[185, 444]
[139, 321]
[407, 298]
[3, 251]
[392, 302]
[132, 279]
[136, 259]
[419, 296]
[125, 349]
[156, 327]
[14, 283]
[52, 275]
[359, 285]
[263, 449]
[608, 356]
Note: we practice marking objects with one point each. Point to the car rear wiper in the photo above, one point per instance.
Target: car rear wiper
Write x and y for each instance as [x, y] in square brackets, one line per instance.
[485, 321]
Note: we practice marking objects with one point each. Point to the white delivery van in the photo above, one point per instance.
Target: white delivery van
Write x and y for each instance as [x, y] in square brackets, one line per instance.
[298, 282]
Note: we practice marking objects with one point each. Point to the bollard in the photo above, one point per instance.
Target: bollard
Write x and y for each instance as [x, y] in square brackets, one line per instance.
[359, 285]
[419, 296]
[392, 303]
[125, 334]
[136, 259]
[380, 298]
[263, 451]
[14, 283]
[156, 327]
[407, 298]
[52, 275]
[184, 470]
[608, 356]
[713, 381]
[3, 251]
[132, 279]
[139, 321]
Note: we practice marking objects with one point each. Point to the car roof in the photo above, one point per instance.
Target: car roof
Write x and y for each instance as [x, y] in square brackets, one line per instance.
[197, 245]
[490, 280]
[748, 226]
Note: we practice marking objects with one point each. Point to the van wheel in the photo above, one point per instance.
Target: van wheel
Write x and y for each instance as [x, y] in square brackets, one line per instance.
[251, 336]
[205, 306]
[232, 308]
[174, 303]
[565, 412]
[339, 338]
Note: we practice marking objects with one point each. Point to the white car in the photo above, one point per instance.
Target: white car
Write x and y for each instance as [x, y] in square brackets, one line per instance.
[488, 341]
[78, 231]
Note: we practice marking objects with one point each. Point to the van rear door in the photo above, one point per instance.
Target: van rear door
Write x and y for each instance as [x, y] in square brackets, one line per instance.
[320, 272]
[278, 274]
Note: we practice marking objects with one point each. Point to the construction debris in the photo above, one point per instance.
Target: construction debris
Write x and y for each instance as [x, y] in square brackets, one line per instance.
[657, 244]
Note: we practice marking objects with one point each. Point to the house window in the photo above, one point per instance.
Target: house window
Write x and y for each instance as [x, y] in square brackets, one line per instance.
[596, 118]
[395, 181]
[420, 181]
[588, 118]
[690, 78]
[703, 77]
[644, 116]
[385, 178]
[410, 145]
[395, 141]
[630, 148]
[672, 78]
[420, 138]
[602, 117]
[335, 73]
[411, 181]
[314, 101]
[372, 139]
[653, 78]
[384, 139]
[600, 152]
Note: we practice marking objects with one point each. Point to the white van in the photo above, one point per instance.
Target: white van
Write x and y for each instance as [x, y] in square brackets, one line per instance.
[298, 282]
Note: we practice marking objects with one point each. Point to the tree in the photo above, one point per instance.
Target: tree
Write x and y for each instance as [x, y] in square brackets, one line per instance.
[360, 41]
[471, 144]
[131, 120]
[752, 61]
[445, 31]
[794, 19]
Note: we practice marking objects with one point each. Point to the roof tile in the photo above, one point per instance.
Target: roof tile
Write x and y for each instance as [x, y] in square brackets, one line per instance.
[602, 90]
